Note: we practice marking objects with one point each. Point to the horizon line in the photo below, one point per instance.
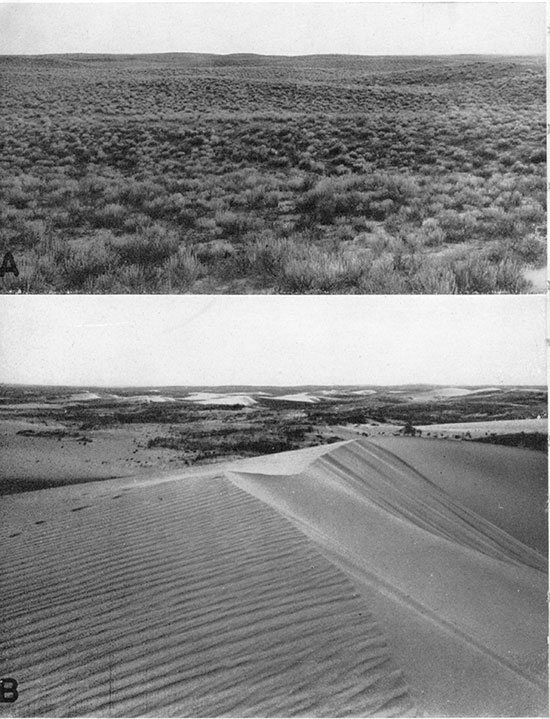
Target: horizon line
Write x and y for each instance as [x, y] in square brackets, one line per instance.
[270, 55]
[252, 386]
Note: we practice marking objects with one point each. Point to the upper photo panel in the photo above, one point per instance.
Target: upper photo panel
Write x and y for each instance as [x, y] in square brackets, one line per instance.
[305, 148]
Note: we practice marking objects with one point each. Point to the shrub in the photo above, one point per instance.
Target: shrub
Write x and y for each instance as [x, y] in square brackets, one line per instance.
[431, 233]
[83, 266]
[267, 253]
[111, 216]
[182, 269]
[382, 278]
[457, 226]
[152, 247]
[531, 250]
[310, 270]
[29, 233]
[327, 200]
[476, 275]
[434, 278]
[234, 225]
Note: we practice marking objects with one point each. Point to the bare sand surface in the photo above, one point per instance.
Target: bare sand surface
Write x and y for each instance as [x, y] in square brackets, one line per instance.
[226, 398]
[433, 394]
[298, 397]
[33, 462]
[463, 601]
[505, 485]
[354, 579]
[185, 598]
[539, 278]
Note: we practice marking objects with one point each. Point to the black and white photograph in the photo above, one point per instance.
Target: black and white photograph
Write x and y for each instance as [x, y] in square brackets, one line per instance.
[279, 148]
[314, 507]
[273, 359]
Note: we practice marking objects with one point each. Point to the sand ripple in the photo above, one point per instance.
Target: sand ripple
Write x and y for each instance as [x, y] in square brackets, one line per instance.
[188, 598]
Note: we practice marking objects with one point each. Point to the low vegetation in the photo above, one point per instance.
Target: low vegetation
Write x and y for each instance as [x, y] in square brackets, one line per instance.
[181, 173]
[198, 434]
[532, 440]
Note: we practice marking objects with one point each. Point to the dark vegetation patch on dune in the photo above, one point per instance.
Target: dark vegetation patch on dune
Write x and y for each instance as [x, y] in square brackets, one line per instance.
[530, 440]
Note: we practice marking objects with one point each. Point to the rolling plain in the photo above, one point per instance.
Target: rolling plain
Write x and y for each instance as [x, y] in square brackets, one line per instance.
[262, 174]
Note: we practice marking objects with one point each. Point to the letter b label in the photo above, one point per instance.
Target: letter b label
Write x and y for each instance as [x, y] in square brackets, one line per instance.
[8, 690]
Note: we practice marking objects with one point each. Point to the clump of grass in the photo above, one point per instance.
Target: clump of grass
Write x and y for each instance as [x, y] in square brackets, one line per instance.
[310, 270]
[182, 270]
[153, 246]
[83, 267]
[297, 265]
[434, 278]
[30, 233]
[477, 275]
[233, 224]
[266, 255]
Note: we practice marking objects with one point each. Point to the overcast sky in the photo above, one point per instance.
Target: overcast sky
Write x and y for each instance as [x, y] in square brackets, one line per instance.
[286, 28]
[271, 340]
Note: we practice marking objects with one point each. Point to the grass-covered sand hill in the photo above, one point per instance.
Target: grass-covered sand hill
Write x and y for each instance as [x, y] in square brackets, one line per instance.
[244, 173]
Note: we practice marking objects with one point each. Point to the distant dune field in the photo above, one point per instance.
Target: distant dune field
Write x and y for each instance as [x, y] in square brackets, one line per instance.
[343, 580]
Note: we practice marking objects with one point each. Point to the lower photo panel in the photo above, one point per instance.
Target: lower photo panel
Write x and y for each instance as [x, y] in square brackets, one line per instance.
[273, 506]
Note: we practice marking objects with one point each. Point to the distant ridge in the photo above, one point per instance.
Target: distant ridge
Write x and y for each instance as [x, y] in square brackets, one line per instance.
[197, 59]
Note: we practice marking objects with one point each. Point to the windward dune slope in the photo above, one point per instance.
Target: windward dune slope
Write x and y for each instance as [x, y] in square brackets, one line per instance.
[181, 598]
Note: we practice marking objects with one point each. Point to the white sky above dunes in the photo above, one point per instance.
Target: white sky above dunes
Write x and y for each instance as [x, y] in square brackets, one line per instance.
[272, 340]
[283, 28]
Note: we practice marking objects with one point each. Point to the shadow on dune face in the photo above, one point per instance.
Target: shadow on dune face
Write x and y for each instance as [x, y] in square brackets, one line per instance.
[507, 487]
[462, 600]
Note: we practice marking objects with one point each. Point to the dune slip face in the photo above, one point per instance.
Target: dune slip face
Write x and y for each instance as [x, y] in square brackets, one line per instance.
[461, 595]
[186, 597]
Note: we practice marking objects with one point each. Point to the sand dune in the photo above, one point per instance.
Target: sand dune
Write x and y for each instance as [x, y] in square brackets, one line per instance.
[431, 395]
[463, 600]
[506, 486]
[298, 397]
[185, 598]
[223, 398]
[352, 579]
[85, 396]
[148, 398]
